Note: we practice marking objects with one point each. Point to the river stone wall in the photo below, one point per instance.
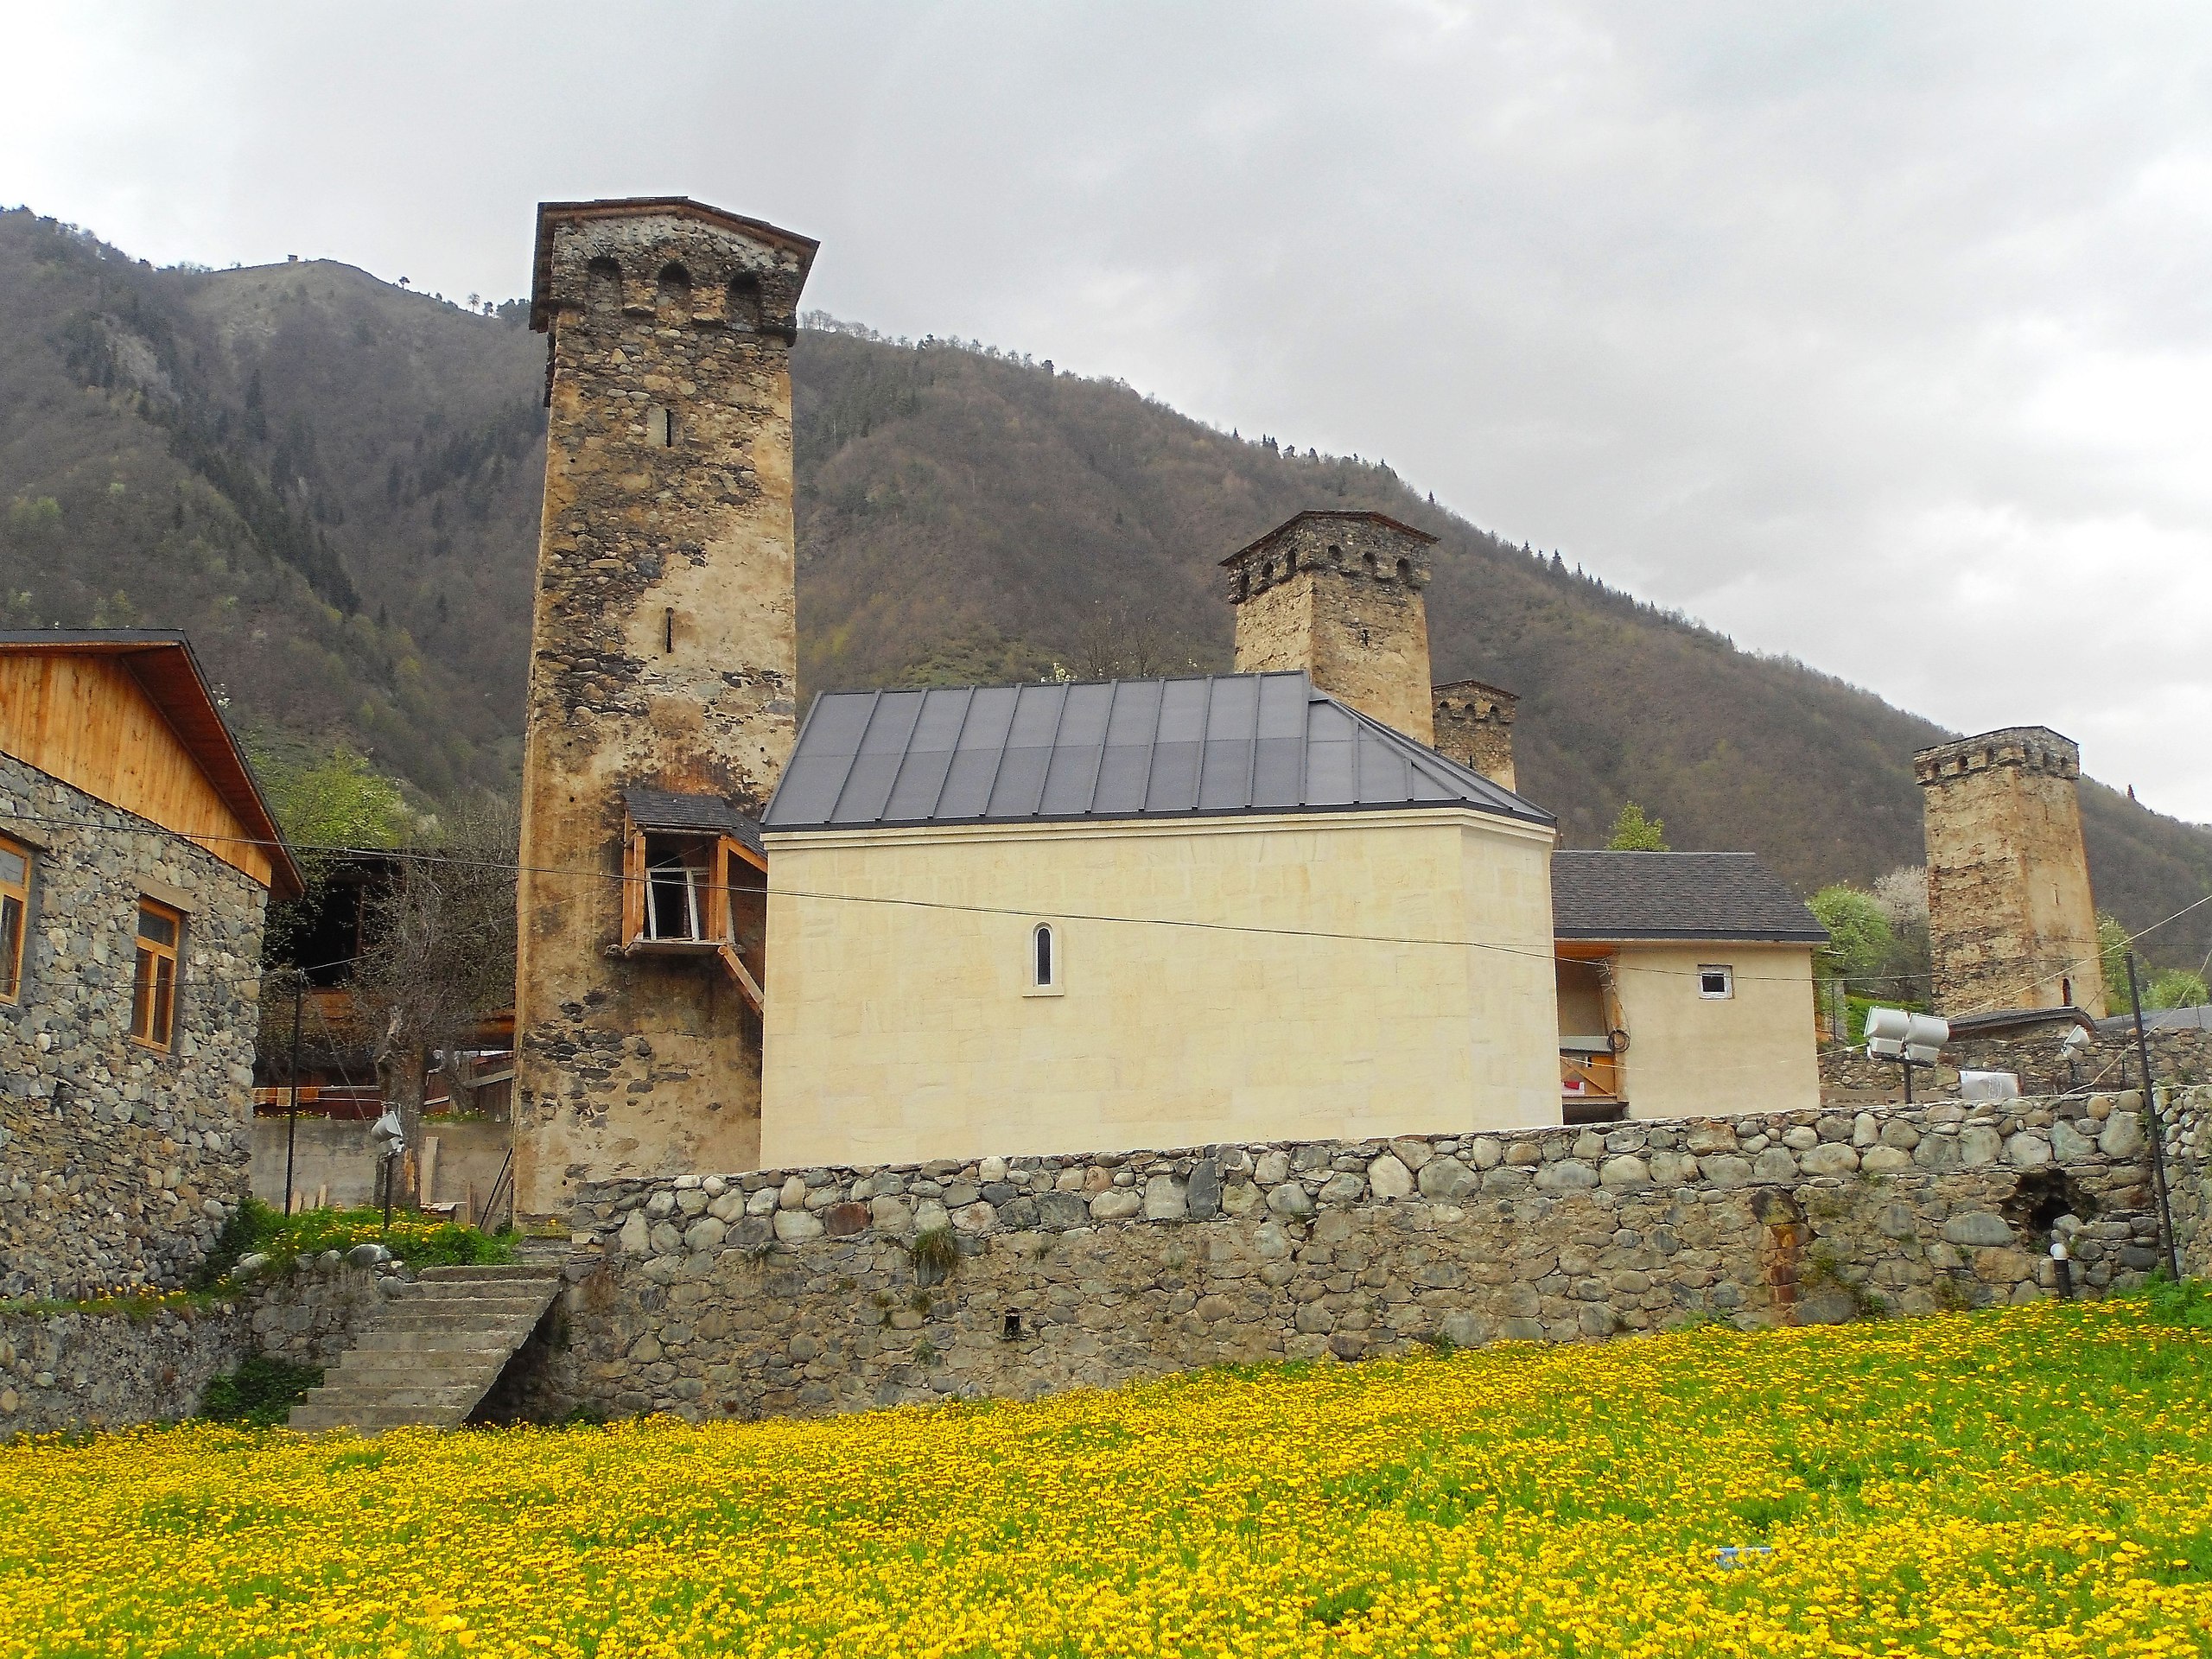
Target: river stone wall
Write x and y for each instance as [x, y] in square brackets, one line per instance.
[820, 1290]
[2185, 1117]
[76, 1368]
[118, 1165]
[2180, 1056]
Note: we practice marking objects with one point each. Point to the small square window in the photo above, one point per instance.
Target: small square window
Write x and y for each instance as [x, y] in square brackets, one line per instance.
[1716, 982]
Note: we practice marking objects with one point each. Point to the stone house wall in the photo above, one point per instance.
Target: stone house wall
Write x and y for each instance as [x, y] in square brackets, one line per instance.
[118, 1164]
[822, 1290]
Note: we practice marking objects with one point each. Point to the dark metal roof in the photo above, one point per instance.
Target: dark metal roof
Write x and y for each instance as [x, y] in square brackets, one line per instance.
[1221, 745]
[1600, 895]
[2198, 1017]
[161, 661]
[695, 815]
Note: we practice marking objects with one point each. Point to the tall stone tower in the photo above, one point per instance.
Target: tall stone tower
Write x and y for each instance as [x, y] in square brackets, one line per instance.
[1339, 596]
[2011, 921]
[1474, 726]
[663, 681]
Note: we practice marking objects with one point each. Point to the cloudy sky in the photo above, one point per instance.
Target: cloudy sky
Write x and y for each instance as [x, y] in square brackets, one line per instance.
[1880, 336]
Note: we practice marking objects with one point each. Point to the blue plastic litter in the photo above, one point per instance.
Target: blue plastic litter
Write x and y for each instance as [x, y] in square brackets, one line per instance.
[1734, 1555]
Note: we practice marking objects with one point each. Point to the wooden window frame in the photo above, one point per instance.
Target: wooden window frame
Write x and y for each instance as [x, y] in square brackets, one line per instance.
[14, 923]
[1727, 972]
[718, 878]
[153, 995]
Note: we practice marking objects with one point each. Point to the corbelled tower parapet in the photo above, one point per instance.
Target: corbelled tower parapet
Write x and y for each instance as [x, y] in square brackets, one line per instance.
[1474, 726]
[1339, 596]
[2011, 922]
[663, 669]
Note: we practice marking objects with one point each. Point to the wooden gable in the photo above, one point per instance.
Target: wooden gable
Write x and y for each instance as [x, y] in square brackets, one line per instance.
[88, 719]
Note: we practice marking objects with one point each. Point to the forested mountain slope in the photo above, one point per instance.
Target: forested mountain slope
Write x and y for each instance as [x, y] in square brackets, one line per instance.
[333, 485]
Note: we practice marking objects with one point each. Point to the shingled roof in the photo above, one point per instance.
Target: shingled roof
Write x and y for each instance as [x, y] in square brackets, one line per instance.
[1224, 745]
[1601, 895]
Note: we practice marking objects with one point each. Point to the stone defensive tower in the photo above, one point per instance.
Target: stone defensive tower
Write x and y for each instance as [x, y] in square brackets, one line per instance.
[1474, 726]
[662, 680]
[2011, 921]
[1339, 596]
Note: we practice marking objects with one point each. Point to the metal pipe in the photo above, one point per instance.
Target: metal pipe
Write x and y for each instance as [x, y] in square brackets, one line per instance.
[2158, 1136]
[292, 1112]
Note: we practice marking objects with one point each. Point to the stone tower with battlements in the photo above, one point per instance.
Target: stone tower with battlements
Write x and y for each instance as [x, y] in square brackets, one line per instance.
[1339, 596]
[2011, 921]
[663, 683]
[1474, 726]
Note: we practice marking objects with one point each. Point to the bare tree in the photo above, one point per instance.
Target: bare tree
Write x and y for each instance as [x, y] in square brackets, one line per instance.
[437, 953]
[1124, 645]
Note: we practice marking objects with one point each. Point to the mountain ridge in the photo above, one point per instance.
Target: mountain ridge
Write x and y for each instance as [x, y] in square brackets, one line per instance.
[333, 485]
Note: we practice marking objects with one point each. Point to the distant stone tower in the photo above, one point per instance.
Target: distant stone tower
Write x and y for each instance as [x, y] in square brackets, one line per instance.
[663, 679]
[1339, 596]
[1474, 726]
[2011, 921]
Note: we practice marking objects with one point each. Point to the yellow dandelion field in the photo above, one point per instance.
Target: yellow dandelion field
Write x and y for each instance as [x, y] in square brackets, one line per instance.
[2035, 1481]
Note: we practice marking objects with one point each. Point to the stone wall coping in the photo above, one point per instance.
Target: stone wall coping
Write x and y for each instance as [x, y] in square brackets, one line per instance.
[1710, 1156]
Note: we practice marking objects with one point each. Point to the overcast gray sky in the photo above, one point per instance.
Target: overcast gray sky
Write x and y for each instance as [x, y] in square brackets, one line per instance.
[1880, 336]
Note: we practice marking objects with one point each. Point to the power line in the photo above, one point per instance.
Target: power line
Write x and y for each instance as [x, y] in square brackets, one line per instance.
[1038, 914]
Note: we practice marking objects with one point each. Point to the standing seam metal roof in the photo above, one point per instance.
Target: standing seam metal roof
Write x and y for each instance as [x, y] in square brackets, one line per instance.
[1216, 746]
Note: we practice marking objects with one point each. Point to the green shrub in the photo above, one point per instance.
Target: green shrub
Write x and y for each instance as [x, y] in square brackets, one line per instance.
[250, 1228]
[260, 1394]
[416, 1240]
[2189, 1303]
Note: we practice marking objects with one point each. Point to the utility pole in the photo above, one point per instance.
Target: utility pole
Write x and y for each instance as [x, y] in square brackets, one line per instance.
[2157, 1134]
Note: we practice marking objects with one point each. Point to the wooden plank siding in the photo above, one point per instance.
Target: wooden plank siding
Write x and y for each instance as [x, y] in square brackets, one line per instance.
[86, 721]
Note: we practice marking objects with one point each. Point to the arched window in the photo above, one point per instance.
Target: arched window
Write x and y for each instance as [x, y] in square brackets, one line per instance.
[1044, 952]
[1406, 570]
[675, 289]
[744, 307]
[603, 289]
[1289, 563]
[1336, 556]
[1367, 564]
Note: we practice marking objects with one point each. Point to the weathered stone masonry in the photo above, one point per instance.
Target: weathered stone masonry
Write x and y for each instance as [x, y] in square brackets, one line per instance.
[118, 1164]
[78, 1367]
[802, 1292]
[2011, 921]
[663, 654]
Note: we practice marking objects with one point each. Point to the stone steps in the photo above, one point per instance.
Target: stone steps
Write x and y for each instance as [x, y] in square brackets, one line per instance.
[428, 1357]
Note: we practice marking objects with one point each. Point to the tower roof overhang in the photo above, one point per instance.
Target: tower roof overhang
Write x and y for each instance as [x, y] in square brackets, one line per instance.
[551, 213]
[1312, 514]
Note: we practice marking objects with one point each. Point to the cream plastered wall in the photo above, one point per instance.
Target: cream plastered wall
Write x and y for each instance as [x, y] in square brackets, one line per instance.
[898, 1032]
[1690, 1055]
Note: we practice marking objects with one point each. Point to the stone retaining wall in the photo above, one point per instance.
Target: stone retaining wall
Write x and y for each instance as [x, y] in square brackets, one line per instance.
[75, 1368]
[823, 1290]
[2185, 1116]
[2179, 1057]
